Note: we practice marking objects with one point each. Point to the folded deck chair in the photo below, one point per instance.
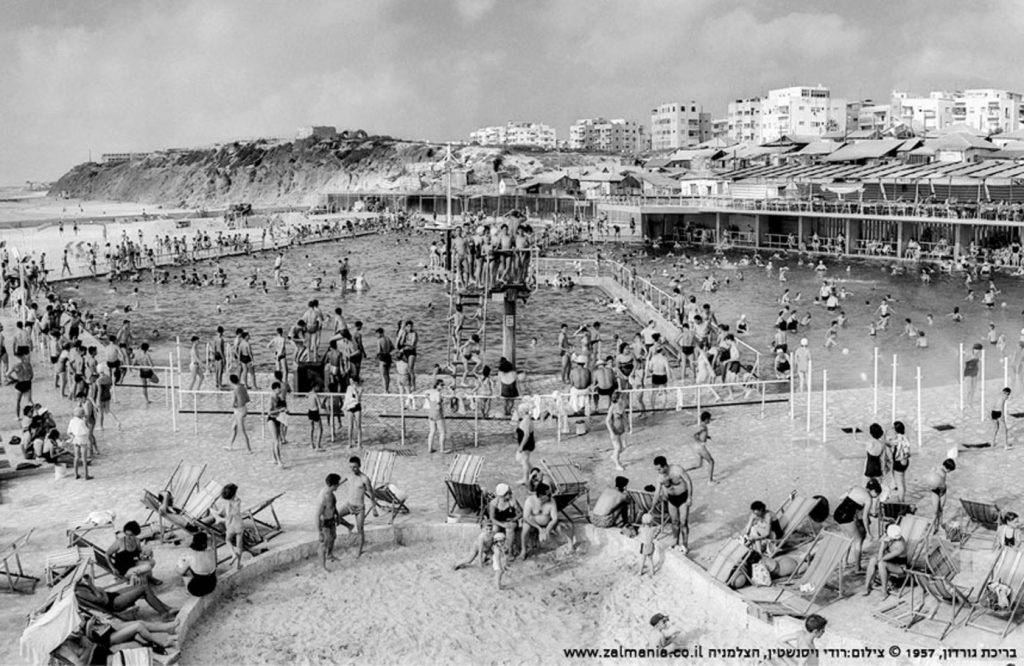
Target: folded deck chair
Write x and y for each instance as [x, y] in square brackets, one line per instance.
[568, 486]
[465, 497]
[184, 481]
[998, 607]
[10, 561]
[793, 516]
[730, 561]
[826, 557]
[934, 607]
[641, 502]
[980, 515]
[378, 465]
[264, 526]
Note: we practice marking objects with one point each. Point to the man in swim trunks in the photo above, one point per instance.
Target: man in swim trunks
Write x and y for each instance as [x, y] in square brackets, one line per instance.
[360, 487]
[603, 381]
[541, 516]
[675, 487]
[327, 520]
[612, 506]
[657, 367]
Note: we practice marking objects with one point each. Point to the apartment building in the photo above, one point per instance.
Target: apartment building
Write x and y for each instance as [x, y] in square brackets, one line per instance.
[679, 125]
[987, 109]
[614, 136]
[873, 117]
[801, 110]
[744, 120]
[514, 133]
[927, 114]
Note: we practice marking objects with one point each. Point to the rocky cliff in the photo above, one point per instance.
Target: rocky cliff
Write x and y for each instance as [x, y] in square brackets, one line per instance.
[297, 172]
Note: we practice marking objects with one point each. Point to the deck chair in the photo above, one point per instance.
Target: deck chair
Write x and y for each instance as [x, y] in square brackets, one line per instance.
[184, 481]
[10, 561]
[825, 557]
[935, 607]
[893, 512]
[792, 516]
[730, 561]
[268, 526]
[641, 502]
[378, 465]
[1008, 571]
[568, 486]
[980, 515]
[465, 496]
[98, 556]
[202, 500]
[49, 629]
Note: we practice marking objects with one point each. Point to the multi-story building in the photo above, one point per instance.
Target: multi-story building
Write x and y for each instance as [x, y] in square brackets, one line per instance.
[801, 110]
[744, 120]
[515, 133]
[679, 125]
[614, 136]
[873, 117]
[928, 114]
[719, 127]
[987, 109]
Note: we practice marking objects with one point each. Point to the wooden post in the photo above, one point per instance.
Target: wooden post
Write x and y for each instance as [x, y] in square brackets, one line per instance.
[981, 403]
[824, 405]
[401, 418]
[195, 412]
[920, 424]
[810, 375]
[874, 387]
[174, 407]
[894, 370]
[792, 393]
[960, 376]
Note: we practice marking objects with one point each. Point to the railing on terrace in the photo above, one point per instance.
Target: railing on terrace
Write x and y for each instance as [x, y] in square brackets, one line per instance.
[944, 211]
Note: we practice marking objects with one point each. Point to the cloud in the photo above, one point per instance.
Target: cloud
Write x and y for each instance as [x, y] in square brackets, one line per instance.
[474, 10]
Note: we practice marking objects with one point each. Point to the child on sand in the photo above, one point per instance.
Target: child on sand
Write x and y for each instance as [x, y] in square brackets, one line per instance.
[481, 547]
[646, 534]
[814, 627]
[498, 558]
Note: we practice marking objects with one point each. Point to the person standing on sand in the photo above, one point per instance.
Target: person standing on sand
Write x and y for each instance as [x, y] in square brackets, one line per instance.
[802, 361]
[21, 377]
[239, 407]
[327, 520]
[615, 421]
[360, 487]
[675, 487]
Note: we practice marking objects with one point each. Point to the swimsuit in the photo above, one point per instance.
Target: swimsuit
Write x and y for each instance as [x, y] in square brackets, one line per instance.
[659, 380]
[873, 466]
[529, 444]
[678, 500]
[202, 584]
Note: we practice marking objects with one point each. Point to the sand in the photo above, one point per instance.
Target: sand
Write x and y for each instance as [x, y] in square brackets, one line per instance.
[406, 605]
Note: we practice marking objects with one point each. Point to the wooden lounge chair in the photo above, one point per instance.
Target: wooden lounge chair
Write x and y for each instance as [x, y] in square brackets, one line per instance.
[184, 481]
[378, 465]
[568, 486]
[202, 500]
[641, 502]
[825, 557]
[980, 515]
[14, 574]
[935, 606]
[730, 561]
[793, 515]
[893, 512]
[465, 496]
[1008, 570]
[97, 555]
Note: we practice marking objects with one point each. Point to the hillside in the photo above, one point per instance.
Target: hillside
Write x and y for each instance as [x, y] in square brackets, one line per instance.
[296, 172]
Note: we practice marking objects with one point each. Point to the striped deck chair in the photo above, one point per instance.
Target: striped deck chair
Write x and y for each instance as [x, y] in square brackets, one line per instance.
[892, 512]
[97, 555]
[13, 573]
[934, 607]
[202, 500]
[730, 561]
[825, 558]
[378, 465]
[264, 527]
[465, 497]
[988, 613]
[568, 486]
[183, 483]
[980, 515]
[793, 515]
[641, 502]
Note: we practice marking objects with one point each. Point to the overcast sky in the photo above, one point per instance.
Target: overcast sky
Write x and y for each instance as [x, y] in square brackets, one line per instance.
[114, 76]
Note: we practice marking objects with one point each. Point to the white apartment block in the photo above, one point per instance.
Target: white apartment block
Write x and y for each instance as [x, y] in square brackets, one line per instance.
[987, 109]
[744, 120]
[515, 133]
[801, 110]
[930, 113]
[614, 136]
[872, 117]
[679, 125]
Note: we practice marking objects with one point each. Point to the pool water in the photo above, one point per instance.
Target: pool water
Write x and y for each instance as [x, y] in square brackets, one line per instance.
[387, 263]
[752, 292]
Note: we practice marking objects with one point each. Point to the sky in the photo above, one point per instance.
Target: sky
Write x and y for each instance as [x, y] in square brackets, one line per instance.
[111, 76]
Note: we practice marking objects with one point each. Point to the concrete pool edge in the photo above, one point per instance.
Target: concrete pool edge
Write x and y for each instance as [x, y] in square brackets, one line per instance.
[724, 605]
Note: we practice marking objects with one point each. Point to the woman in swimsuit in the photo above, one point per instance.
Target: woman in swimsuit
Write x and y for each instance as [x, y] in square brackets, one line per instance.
[233, 526]
[890, 560]
[127, 556]
[875, 449]
[900, 448]
[615, 421]
[504, 512]
[853, 515]
[525, 439]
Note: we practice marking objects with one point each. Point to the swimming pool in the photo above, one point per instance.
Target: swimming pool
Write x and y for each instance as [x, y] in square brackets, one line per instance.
[387, 263]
